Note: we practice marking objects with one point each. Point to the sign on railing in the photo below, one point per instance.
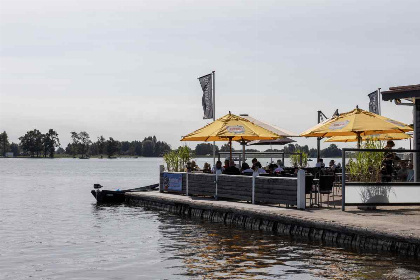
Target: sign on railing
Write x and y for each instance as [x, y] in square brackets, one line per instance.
[172, 182]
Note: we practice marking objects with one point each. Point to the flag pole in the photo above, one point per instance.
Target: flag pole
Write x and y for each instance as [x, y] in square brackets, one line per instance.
[379, 101]
[214, 114]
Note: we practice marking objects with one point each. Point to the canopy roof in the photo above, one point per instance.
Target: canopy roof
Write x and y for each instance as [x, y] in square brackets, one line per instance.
[280, 141]
[273, 128]
[353, 138]
[231, 127]
[356, 122]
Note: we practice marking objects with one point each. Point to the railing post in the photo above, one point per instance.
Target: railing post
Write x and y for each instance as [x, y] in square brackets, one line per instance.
[161, 169]
[343, 180]
[215, 195]
[301, 195]
[254, 175]
[186, 182]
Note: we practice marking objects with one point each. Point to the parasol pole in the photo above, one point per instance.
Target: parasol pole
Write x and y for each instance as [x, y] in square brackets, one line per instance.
[214, 114]
[230, 150]
[359, 139]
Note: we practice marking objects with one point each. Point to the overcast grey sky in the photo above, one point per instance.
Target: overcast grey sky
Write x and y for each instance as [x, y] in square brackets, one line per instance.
[128, 68]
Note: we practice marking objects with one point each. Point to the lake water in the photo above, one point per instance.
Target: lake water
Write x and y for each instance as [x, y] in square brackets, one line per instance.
[50, 228]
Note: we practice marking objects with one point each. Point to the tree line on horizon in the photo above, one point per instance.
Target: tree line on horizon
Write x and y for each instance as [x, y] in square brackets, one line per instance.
[37, 144]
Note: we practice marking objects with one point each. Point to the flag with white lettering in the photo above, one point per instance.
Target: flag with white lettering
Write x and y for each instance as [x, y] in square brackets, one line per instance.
[374, 102]
[206, 83]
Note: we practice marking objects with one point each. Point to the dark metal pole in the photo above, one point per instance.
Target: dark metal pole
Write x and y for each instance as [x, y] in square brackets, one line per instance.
[318, 140]
[214, 114]
[343, 181]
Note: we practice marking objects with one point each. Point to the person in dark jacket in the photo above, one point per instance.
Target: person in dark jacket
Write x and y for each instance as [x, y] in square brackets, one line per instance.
[232, 169]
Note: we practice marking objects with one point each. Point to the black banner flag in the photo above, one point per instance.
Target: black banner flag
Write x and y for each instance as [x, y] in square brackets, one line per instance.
[206, 83]
[374, 102]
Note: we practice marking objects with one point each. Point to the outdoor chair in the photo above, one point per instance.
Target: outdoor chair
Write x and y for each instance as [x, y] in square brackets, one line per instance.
[326, 184]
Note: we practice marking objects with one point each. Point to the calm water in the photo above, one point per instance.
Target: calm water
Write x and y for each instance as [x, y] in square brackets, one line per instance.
[50, 228]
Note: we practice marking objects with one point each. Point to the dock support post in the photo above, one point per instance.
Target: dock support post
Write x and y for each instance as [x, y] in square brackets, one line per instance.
[161, 169]
[301, 195]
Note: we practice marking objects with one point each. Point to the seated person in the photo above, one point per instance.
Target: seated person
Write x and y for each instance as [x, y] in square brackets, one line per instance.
[218, 168]
[332, 165]
[279, 168]
[272, 167]
[245, 169]
[188, 167]
[258, 168]
[388, 168]
[232, 169]
[206, 168]
[194, 166]
[254, 161]
[226, 164]
[410, 173]
[280, 163]
[320, 163]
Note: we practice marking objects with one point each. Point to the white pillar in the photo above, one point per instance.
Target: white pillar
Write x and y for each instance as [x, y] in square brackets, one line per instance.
[301, 196]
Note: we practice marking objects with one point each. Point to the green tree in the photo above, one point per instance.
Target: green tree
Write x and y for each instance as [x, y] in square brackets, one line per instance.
[135, 148]
[4, 143]
[112, 147]
[225, 148]
[205, 149]
[125, 147]
[101, 144]
[81, 142]
[161, 148]
[50, 141]
[14, 148]
[148, 148]
[331, 151]
[31, 142]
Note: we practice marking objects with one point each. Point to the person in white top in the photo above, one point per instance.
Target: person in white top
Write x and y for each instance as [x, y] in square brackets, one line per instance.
[279, 168]
[259, 168]
[245, 168]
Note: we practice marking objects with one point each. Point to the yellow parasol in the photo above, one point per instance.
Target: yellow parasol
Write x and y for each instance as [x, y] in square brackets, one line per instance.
[231, 128]
[385, 137]
[356, 123]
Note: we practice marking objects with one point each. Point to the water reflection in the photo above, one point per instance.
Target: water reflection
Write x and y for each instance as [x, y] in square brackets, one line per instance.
[214, 251]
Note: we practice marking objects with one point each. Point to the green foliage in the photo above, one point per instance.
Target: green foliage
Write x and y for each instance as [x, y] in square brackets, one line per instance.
[205, 149]
[225, 148]
[112, 146]
[366, 166]
[176, 160]
[50, 141]
[4, 143]
[295, 159]
[15, 149]
[148, 148]
[331, 151]
[81, 142]
[31, 142]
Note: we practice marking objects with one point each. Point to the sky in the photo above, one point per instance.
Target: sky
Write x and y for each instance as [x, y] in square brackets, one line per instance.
[128, 69]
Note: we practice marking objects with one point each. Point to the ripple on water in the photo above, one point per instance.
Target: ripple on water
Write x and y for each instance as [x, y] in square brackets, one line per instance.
[51, 229]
